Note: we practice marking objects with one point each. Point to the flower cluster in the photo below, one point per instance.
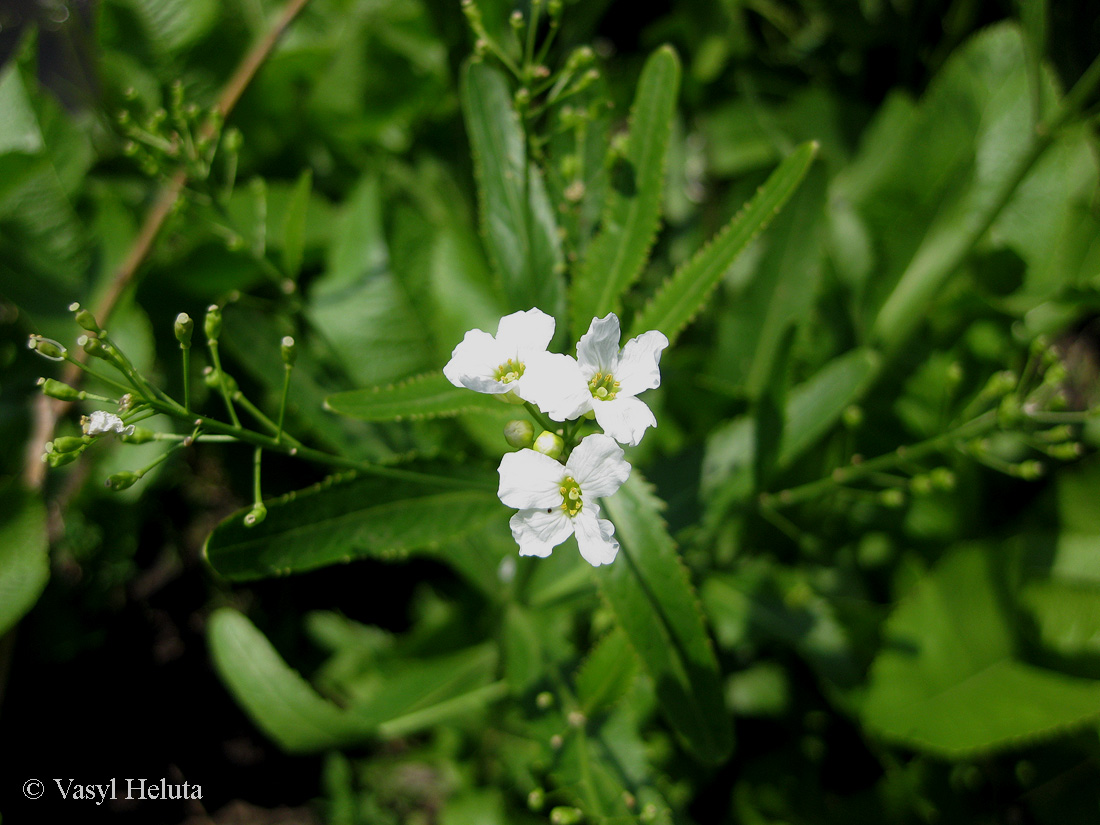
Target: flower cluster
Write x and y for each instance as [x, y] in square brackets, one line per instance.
[555, 485]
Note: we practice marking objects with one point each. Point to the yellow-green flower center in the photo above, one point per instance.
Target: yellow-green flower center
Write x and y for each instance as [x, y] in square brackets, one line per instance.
[603, 386]
[570, 496]
[509, 371]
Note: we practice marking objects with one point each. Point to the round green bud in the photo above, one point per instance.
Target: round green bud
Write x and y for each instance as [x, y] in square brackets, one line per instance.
[47, 347]
[545, 700]
[94, 347]
[516, 20]
[1029, 470]
[852, 416]
[210, 378]
[183, 328]
[536, 799]
[256, 515]
[68, 444]
[892, 498]
[121, 481]
[60, 390]
[921, 485]
[213, 323]
[140, 435]
[563, 815]
[519, 433]
[549, 444]
[84, 318]
[289, 350]
[57, 459]
[942, 478]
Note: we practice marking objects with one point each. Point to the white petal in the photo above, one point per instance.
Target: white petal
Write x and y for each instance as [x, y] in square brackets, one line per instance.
[474, 363]
[595, 538]
[537, 532]
[598, 466]
[554, 383]
[625, 418]
[100, 422]
[530, 329]
[639, 368]
[530, 480]
[598, 349]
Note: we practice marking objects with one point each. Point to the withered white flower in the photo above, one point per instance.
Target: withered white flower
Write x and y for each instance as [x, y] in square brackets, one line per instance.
[555, 501]
[503, 364]
[101, 423]
[604, 380]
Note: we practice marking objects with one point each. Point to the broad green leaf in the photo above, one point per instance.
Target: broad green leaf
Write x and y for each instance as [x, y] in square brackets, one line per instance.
[946, 679]
[24, 558]
[425, 396]
[341, 520]
[681, 297]
[173, 25]
[616, 256]
[281, 703]
[294, 225]
[1065, 616]
[648, 589]
[516, 217]
[607, 674]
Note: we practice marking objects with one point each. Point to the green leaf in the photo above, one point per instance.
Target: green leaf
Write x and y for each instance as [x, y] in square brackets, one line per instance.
[522, 650]
[173, 25]
[607, 674]
[340, 520]
[424, 396]
[294, 225]
[648, 589]
[24, 557]
[681, 297]
[946, 680]
[280, 702]
[516, 217]
[632, 210]
[19, 130]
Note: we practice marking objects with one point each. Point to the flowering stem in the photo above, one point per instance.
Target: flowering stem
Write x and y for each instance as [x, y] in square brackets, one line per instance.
[257, 497]
[282, 401]
[844, 475]
[186, 351]
[220, 377]
[540, 419]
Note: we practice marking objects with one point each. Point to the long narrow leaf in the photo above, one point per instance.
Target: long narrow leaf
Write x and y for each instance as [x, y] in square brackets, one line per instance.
[648, 589]
[425, 396]
[682, 296]
[632, 212]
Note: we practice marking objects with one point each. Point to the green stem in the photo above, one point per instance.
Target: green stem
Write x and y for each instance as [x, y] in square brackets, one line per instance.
[186, 377]
[220, 378]
[257, 496]
[846, 475]
[258, 414]
[282, 401]
[540, 419]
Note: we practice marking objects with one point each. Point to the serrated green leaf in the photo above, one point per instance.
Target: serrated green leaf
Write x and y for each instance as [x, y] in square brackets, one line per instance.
[341, 520]
[516, 217]
[173, 25]
[426, 396]
[294, 225]
[607, 674]
[648, 589]
[946, 680]
[280, 702]
[681, 297]
[632, 210]
[24, 558]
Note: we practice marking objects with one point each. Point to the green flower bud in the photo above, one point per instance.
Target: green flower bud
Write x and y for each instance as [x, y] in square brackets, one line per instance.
[1066, 451]
[94, 347]
[1029, 470]
[213, 323]
[536, 799]
[210, 378]
[549, 444]
[852, 416]
[47, 348]
[84, 318]
[519, 433]
[892, 498]
[921, 485]
[121, 481]
[942, 478]
[183, 328]
[140, 435]
[57, 459]
[57, 389]
[563, 815]
[516, 20]
[256, 515]
[545, 700]
[68, 444]
[289, 350]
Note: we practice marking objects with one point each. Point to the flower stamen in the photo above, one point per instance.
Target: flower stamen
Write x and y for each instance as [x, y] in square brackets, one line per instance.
[511, 370]
[603, 386]
[571, 496]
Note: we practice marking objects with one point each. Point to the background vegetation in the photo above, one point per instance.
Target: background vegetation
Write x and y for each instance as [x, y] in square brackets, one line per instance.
[860, 578]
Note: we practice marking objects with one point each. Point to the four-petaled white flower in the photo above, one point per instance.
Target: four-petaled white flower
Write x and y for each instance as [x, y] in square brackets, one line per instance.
[100, 423]
[604, 380]
[554, 501]
[504, 364]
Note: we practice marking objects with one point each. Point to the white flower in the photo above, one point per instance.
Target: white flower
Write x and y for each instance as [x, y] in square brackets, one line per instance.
[100, 423]
[605, 380]
[500, 365]
[554, 501]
